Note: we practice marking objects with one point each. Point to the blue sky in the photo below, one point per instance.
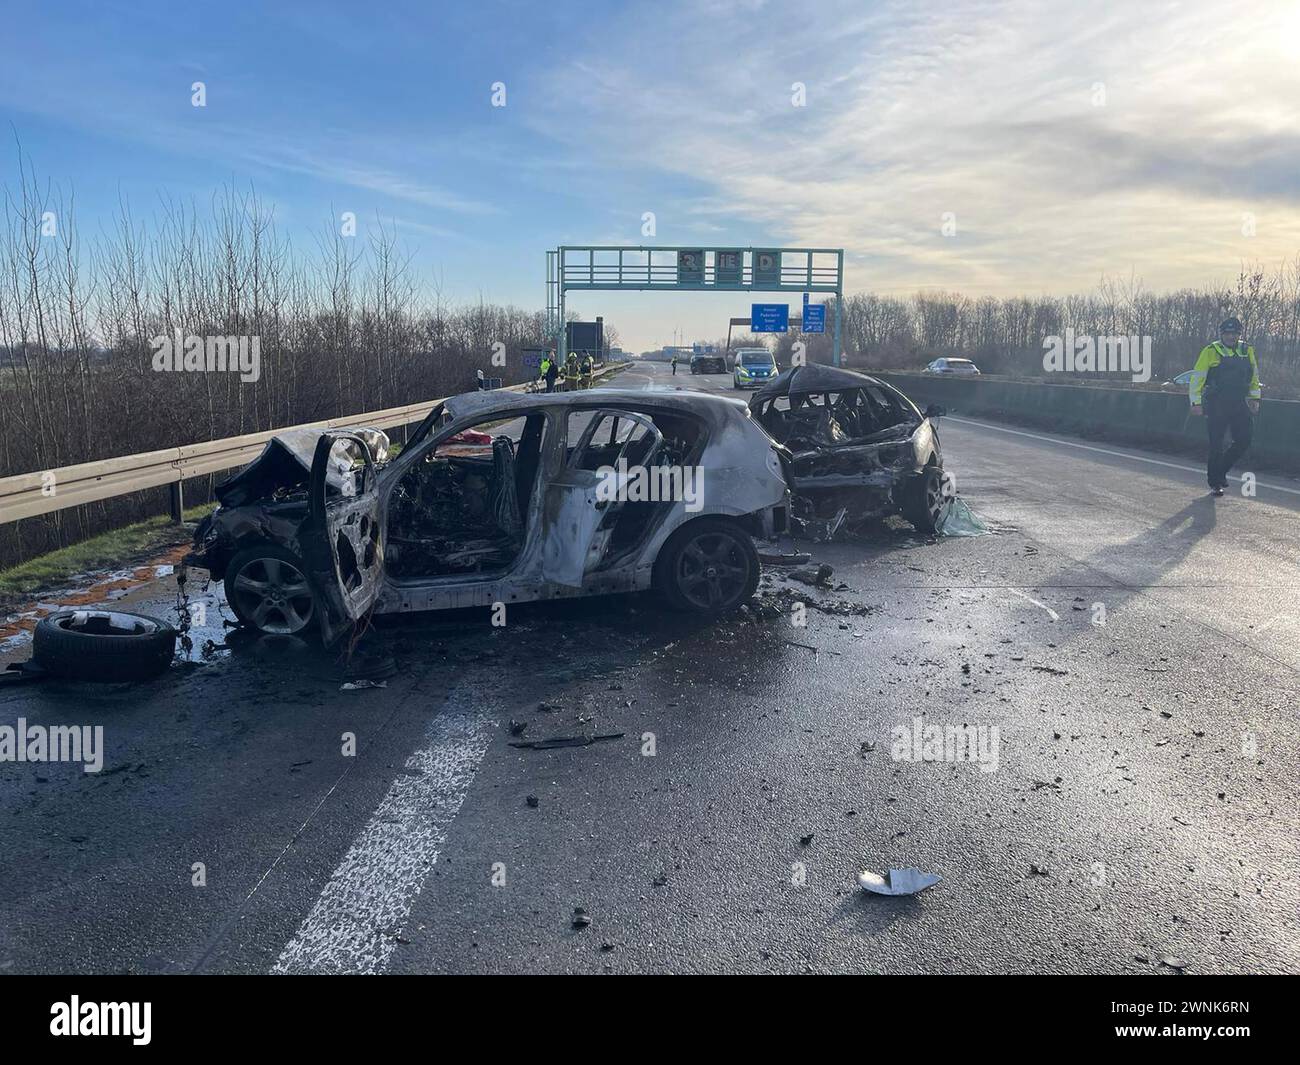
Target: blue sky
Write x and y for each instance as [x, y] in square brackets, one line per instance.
[1068, 141]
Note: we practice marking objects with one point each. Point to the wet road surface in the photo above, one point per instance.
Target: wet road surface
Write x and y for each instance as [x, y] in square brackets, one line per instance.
[1132, 642]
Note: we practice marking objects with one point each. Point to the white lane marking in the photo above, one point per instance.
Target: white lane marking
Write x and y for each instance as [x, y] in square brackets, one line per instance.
[1029, 598]
[366, 903]
[1108, 451]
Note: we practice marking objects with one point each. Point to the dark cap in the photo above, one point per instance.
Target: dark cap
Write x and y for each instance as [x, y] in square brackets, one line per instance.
[1230, 325]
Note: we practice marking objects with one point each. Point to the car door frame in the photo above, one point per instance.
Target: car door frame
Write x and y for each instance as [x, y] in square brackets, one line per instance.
[356, 520]
[573, 507]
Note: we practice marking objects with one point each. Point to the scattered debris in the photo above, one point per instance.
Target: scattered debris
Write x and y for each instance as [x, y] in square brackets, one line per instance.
[1051, 670]
[580, 918]
[22, 672]
[1039, 870]
[776, 558]
[806, 841]
[532, 801]
[816, 576]
[897, 881]
[360, 685]
[566, 741]
[960, 520]
[517, 727]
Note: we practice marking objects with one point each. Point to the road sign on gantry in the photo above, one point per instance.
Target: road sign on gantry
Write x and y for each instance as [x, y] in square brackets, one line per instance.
[728, 266]
[769, 318]
[767, 266]
[814, 317]
[625, 268]
[690, 266]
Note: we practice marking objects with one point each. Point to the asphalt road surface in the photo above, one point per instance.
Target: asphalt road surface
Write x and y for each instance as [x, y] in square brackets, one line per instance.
[1133, 642]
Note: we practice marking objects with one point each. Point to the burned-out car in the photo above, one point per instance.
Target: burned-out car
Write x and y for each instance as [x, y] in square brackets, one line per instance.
[500, 497]
[859, 450]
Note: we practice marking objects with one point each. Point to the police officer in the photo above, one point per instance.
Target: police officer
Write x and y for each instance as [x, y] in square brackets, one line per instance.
[550, 370]
[674, 361]
[1224, 387]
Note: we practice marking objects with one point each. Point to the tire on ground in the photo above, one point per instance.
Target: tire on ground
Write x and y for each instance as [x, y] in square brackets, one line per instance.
[103, 645]
[668, 571]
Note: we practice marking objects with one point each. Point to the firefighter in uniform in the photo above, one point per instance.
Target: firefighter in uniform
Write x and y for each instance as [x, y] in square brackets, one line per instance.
[1224, 387]
[572, 372]
[588, 370]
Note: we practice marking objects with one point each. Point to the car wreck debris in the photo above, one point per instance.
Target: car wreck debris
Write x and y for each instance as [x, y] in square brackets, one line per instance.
[897, 881]
[856, 450]
[103, 645]
[495, 498]
[566, 741]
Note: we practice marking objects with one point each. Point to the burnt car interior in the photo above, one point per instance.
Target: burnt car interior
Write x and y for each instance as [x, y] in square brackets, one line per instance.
[611, 438]
[827, 419]
[462, 510]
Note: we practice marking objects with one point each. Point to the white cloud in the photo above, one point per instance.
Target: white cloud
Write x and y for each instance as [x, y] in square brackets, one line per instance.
[983, 109]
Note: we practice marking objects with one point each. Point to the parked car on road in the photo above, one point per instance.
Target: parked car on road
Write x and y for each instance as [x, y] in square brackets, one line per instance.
[958, 367]
[498, 497]
[1178, 384]
[708, 362]
[754, 368]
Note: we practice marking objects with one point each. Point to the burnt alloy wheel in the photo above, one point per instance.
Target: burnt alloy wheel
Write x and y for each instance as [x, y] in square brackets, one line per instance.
[708, 566]
[267, 588]
[928, 500]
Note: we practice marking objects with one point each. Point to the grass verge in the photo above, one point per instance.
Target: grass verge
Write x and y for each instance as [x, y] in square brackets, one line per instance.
[130, 545]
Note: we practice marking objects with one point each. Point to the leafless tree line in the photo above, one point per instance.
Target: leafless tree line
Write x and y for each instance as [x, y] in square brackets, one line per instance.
[344, 326]
[1006, 335]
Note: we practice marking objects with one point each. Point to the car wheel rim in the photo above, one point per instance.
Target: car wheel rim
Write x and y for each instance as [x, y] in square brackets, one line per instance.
[274, 596]
[935, 503]
[712, 571]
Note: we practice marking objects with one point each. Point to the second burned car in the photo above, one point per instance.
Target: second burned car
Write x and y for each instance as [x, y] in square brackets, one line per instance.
[497, 497]
[860, 450]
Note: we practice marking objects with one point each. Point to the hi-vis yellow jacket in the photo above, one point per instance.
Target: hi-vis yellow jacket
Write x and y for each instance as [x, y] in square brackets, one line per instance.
[1208, 364]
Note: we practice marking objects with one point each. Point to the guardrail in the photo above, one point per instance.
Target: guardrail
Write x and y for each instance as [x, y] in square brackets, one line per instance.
[28, 495]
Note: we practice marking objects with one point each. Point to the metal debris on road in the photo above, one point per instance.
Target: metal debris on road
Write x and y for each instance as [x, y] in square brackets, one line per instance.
[776, 558]
[566, 741]
[819, 576]
[359, 685]
[897, 881]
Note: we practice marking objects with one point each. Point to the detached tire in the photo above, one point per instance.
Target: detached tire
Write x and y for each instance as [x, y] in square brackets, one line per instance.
[708, 566]
[103, 645]
[925, 504]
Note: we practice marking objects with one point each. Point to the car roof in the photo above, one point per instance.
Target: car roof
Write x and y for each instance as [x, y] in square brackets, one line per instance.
[472, 403]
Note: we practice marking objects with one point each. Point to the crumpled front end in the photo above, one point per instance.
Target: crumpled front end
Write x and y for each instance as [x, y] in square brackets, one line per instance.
[266, 501]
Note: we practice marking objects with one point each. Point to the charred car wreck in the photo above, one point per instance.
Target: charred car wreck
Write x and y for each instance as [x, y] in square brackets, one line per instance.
[497, 497]
[860, 450]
